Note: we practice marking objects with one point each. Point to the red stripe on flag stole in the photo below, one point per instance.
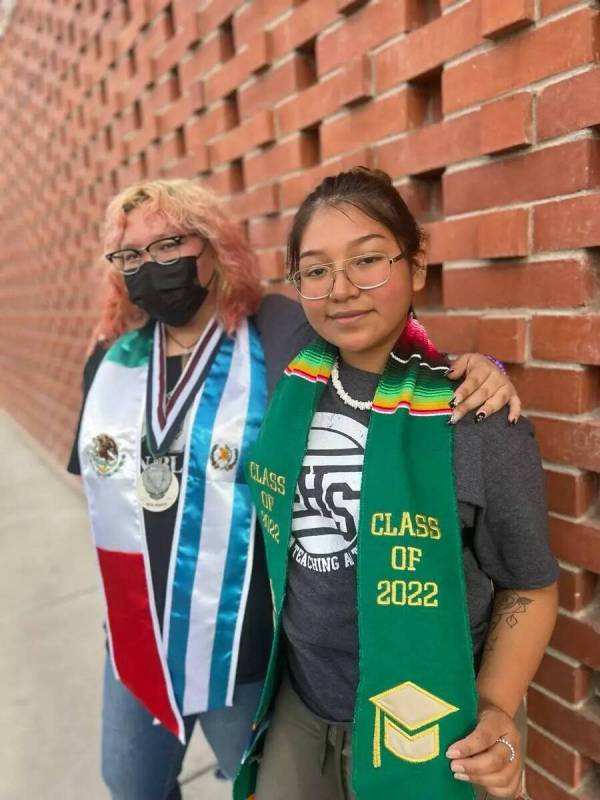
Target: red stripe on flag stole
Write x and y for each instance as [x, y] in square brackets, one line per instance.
[132, 633]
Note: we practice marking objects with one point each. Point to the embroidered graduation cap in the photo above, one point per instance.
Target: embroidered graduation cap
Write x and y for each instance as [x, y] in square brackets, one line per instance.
[410, 717]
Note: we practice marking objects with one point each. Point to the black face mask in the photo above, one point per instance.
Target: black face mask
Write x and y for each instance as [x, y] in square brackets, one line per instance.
[169, 293]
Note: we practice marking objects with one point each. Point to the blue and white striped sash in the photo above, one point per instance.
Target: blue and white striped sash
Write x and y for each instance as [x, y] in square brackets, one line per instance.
[214, 535]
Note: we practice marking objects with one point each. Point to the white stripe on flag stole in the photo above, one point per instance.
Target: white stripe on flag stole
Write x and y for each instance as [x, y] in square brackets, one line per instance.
[186, 384]
[212, 534]
[116, 397]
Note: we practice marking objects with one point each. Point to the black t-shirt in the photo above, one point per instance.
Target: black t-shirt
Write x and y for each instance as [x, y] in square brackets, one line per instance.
[283, 331]
[502, 511]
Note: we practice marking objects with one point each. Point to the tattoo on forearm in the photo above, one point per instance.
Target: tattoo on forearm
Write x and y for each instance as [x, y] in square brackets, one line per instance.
[506, 609]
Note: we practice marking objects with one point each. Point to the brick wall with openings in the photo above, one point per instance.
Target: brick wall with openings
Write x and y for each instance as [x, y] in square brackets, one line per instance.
[486, 114]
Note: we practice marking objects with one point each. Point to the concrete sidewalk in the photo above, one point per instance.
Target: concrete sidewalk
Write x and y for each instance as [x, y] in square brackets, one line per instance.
[52, 641]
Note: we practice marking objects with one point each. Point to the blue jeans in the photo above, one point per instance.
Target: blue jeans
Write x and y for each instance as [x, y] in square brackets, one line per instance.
[142, 761]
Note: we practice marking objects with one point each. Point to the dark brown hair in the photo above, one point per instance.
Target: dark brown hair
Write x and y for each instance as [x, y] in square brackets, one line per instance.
[370, 191]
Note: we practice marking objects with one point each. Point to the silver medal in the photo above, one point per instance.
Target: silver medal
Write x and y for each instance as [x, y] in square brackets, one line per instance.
[157, 487]
[157, 478]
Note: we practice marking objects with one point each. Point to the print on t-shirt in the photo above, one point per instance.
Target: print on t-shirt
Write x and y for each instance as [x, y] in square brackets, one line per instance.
[327, 499]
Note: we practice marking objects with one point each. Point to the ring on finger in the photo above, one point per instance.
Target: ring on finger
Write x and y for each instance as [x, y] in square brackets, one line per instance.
[513, 753]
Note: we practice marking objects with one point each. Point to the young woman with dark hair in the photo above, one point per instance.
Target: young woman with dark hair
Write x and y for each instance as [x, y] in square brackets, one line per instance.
[413, 586]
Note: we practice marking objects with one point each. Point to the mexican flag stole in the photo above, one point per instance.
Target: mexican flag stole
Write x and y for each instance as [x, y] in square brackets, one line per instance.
[190, 665]
[416, 693]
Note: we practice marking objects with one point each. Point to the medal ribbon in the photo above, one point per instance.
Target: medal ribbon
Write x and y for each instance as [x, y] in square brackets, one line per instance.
[164, 417]
[416, 692]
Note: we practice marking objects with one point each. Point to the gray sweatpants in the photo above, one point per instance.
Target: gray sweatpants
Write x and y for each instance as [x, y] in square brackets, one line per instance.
[305, 757]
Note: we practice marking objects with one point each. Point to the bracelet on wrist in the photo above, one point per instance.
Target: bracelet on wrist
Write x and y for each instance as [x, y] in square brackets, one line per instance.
[496, 363]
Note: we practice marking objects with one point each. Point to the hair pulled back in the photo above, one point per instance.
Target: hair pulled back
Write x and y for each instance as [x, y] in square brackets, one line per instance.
[370, 191]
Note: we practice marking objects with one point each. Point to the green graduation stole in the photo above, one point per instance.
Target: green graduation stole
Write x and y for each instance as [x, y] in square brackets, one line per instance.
[416, 692]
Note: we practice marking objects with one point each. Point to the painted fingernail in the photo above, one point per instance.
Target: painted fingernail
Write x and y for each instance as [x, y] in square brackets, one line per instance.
[457, 768]
[452, 752]
[480, 416]
[460, 777]
[514, 421]
[452, 402]
[452, 421]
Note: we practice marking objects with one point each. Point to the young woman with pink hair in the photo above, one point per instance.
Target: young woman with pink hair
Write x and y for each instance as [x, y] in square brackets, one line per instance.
[186, 352]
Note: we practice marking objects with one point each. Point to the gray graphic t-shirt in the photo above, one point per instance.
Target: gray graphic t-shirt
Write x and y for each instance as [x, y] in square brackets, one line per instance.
[497, 470]
[325, 513]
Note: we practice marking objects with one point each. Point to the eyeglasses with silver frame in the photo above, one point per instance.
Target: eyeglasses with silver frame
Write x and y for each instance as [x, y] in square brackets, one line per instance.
[166, 250]
[365, 271]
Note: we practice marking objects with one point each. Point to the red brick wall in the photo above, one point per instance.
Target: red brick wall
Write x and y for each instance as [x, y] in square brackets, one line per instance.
[483, 111]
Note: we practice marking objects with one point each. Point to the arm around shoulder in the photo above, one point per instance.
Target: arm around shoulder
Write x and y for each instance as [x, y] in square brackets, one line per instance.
[283, 331]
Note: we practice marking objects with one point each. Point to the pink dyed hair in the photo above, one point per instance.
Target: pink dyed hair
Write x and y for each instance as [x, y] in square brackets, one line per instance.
[190, 208]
